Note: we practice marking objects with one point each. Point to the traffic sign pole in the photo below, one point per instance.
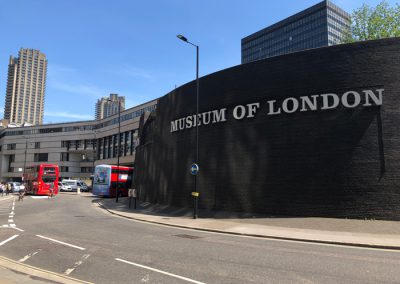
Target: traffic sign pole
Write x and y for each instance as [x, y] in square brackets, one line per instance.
[194, 170]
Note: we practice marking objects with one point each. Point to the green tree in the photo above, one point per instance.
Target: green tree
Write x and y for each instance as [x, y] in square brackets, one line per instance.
[374, 23]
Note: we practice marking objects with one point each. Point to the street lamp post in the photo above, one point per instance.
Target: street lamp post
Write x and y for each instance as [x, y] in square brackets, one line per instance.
[118, 146]
[195, 193]
[26, 149]
[94, 145]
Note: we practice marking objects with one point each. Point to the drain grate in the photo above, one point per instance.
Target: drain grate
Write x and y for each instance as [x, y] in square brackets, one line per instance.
[187, 236]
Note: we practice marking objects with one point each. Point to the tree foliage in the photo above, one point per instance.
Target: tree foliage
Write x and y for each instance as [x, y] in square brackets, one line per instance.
[369, 23]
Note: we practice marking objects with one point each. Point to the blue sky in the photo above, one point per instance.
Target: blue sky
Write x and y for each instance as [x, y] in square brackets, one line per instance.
[129, 47]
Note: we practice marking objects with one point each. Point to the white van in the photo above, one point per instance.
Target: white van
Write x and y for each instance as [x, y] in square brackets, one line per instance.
[74, 184]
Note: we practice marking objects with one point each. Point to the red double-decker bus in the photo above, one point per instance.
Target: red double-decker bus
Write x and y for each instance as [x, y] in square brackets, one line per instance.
[40, 179]
[107, 177]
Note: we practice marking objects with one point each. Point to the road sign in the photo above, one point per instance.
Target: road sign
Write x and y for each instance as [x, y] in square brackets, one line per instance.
[194, 169]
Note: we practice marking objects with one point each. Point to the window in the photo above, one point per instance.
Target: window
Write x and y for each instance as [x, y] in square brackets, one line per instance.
[86, 170]
[64, 169]
[37, 145]
[64, 156]
[41, 157]
[65, 144]
[11, 146]
[11, 160]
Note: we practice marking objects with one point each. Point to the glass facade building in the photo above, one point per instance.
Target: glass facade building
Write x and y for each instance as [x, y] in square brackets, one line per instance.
[323, 24]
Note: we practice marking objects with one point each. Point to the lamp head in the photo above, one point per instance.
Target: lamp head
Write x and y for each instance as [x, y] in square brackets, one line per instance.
[181, 37]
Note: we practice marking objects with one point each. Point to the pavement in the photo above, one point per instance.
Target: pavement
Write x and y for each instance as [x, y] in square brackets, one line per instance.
[349, 232]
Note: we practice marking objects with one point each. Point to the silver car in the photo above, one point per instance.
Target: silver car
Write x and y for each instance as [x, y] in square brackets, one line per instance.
[64, 187]
[16, 186]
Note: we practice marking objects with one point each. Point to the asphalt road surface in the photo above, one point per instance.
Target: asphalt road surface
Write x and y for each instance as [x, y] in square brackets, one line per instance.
[71, 235]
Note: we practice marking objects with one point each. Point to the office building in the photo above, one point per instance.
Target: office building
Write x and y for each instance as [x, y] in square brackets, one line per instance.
[26, 85]
[323, 24]
[106, 107]
[76, 147]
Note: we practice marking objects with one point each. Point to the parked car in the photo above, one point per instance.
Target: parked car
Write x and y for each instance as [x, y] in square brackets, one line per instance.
[64, 187]
[16, 186]
[75, 184]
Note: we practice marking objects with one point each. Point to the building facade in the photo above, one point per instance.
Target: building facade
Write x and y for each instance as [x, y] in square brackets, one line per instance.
[26, 84]
[76, 147]
[311, 133]
[323, 24]
[106, 107]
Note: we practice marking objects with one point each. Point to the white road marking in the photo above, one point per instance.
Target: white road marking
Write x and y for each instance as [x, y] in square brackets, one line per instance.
[39, 197]
[160, 271]
[10, 221]
[28, 256]
[69, 270]
[5, 226]
[60, 242]
[8, 240]
[18, 229]
[12, 225]
[5, 199]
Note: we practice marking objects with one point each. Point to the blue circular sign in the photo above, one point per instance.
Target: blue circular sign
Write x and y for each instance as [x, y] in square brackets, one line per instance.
[194, 169]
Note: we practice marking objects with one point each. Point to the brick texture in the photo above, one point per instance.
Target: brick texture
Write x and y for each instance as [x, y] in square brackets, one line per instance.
[332, 163]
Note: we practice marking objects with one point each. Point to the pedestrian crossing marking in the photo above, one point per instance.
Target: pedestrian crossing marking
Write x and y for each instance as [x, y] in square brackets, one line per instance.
[39, 197]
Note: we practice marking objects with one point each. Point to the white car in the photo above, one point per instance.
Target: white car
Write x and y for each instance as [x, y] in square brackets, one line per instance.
[74, 184]
[16, 186]
[64, 187]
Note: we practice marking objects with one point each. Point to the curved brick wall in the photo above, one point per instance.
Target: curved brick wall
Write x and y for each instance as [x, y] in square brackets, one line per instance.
[338, 162]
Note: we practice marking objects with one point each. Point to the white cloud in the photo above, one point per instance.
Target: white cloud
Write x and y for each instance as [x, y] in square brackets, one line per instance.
[88, 90]
[64, 114]
[135, 72]
[55, 70]
[69, 80]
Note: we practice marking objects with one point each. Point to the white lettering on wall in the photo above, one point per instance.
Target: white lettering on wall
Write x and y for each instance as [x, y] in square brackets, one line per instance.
[239, 112]
[271, 109]
[252, 109]
[290, 102]
[356, 101]
[326, 102]
[311, 105]
[369, 94]
[329, 101]
[219, 115]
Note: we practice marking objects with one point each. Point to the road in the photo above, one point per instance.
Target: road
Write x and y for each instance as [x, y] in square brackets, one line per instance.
[71, 235]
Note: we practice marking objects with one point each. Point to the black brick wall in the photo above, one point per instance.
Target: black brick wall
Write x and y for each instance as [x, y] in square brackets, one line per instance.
[336, 163]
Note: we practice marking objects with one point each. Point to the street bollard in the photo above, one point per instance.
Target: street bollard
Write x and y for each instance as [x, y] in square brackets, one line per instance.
[78, 190]
[132, 194]
[195, 205]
